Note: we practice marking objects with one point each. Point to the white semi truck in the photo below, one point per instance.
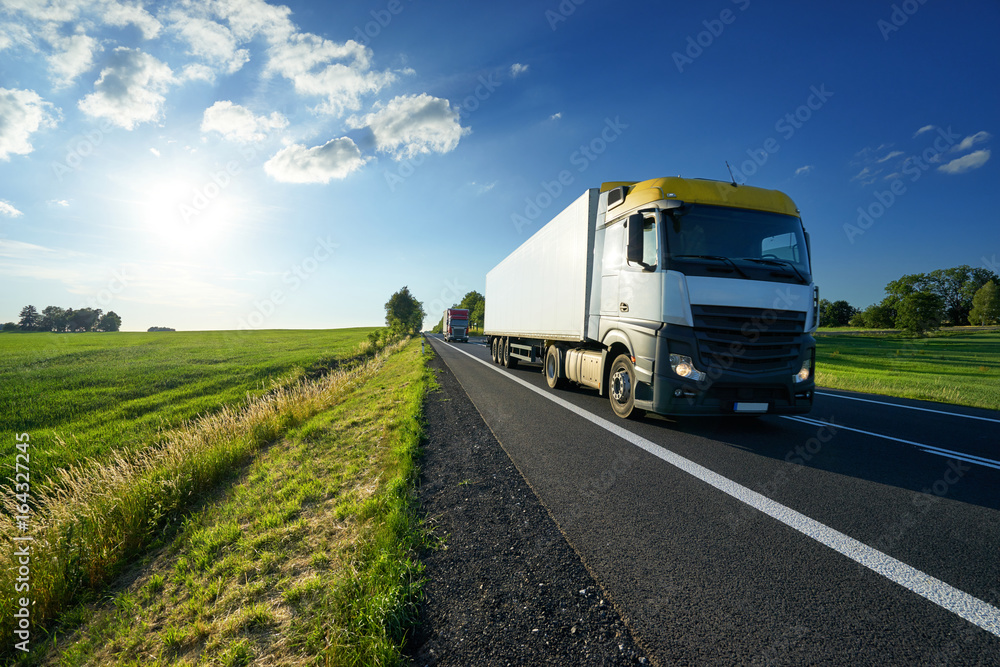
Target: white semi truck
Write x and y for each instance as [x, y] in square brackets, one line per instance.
[675, 296]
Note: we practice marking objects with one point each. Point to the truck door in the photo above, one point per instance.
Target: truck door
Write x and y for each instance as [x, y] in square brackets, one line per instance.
[639, 286]
[611, 268]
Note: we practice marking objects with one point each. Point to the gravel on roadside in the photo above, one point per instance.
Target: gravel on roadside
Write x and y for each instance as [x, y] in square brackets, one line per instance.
[503, 585]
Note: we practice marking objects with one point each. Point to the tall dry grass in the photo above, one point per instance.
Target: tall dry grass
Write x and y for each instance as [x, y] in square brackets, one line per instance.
[92, 519]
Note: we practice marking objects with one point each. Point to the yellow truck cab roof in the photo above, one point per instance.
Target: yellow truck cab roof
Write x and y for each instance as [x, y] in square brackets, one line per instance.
[704, 191]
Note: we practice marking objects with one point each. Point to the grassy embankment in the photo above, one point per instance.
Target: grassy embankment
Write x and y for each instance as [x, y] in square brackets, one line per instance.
[307, 557]
[962, 368]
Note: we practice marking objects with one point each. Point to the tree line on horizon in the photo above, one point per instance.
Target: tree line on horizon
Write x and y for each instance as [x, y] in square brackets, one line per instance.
[922, 302]
[54, 318]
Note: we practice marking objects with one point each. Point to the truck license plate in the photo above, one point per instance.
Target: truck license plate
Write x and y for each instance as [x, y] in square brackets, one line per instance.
[750, 407]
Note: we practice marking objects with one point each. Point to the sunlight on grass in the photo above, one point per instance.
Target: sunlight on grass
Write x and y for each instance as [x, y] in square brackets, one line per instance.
[953, 368]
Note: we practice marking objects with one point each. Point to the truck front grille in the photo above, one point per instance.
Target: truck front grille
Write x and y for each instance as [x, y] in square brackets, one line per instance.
[749, 340]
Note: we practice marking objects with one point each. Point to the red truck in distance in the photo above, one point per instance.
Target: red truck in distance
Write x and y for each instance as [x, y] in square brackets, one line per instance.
[456, 324]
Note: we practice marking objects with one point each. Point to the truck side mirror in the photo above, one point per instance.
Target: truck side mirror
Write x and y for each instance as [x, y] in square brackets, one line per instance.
[633, 253]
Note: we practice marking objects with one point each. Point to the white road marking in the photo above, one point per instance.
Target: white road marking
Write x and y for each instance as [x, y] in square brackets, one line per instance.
[909, 407]
[929, 449]
[971, 608]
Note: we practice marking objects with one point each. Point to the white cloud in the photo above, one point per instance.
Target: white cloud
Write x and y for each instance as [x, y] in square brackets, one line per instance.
[7, 209]
[966, 163]
[197, 72]
[336, 159]
[58, 202]
[249, 18]
[340, 73]
[925, 128]
[890, 156]
[14, 33]
[123, 14]
[556, 116]
[865, 173]
[154, 152]
[804, 170]
[106, 12]
[517, 69]
[22, 113]
[75, 55]
[210, 41]
[414, 125]
[969, 142]
[237, 123]
[130, 90]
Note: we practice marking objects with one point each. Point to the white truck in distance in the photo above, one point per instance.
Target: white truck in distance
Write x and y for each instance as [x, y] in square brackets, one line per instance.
[675, 296]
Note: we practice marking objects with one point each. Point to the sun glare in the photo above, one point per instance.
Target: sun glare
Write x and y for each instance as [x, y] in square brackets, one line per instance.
[185, 215]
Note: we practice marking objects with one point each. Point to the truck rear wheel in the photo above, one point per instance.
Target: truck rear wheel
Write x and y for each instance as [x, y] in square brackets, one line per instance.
[508, 361]
[553, 368]
[493, 350]
[621, 387]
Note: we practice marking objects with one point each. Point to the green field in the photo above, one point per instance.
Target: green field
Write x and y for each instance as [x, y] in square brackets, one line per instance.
[97, 392]
[959, 368]
[164, 421]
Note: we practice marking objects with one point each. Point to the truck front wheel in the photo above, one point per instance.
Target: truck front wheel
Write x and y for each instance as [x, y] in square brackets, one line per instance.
[621, 388]
[553, 368]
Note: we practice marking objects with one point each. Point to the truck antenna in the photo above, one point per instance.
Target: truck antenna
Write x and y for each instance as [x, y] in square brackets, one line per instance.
[735, 184]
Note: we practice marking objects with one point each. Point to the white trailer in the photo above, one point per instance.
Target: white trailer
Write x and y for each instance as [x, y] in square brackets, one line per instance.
[556, 257]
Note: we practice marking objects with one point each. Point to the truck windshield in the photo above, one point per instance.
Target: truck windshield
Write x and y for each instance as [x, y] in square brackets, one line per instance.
[753, 244]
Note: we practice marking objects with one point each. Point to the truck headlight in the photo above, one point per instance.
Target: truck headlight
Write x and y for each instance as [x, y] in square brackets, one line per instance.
[804, 373]
[682, 365]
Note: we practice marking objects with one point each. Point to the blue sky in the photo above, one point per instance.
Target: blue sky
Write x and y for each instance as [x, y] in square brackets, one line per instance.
[239, 164]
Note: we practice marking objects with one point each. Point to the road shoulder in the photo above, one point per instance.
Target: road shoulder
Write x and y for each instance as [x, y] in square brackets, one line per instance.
[504, 585]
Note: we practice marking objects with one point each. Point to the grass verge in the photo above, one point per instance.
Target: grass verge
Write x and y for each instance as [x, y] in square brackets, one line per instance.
[97, 517]
[957, 368]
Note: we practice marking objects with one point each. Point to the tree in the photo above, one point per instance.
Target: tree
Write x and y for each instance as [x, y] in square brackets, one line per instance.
[476, 304]
[53, 319]
[836, 314]
[824, 309]
[478, 314]
[955, 287]
[876, 316]
[841, 313]
[439, 327]
[920, 312]
[985, 305]
[29, 319]
[9, 326]
[976, 279]
[403, 313]
[110, 321]
[83, 319]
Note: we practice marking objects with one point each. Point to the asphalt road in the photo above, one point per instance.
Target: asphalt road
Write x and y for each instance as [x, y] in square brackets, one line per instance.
[868, 532]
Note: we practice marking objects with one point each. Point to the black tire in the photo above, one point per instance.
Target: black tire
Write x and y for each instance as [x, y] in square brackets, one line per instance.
[508, 361]
[621, 388]
[553, 368]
